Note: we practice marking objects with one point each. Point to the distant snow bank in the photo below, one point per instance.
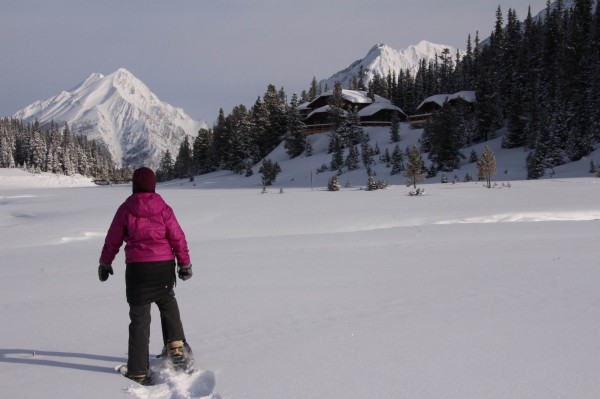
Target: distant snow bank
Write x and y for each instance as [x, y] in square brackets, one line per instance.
[18, 178]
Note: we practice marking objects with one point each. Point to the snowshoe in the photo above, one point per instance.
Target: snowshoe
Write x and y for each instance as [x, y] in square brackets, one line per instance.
[179, 354]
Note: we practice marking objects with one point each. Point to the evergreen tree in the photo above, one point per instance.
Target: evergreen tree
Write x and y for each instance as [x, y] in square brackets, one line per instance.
[352, 161]
[39, 151]
[184, 160]
[333, 184]
[314, 91]
[336, 106]
[260, 125]
[220, 134]
[397, 160]
[240, 144]
[295, 141]
[473, 157]
[309, 148]
[444, 135]
[535, 164]
[166, 170]
[204, 159]
[68, 168]
[366, 154]
[350, 130]
[269, 171]
[277, 120]
[394, 128]
[337, 152]
[371, 183]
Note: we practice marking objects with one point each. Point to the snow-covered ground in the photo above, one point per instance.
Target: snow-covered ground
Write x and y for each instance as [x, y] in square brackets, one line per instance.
[464, 292]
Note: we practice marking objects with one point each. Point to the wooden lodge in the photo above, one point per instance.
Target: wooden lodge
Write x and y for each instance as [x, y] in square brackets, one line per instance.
[372, 112]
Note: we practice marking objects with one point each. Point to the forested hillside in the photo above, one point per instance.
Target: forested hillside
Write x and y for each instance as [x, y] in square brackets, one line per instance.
[55, 150]
[538, 78]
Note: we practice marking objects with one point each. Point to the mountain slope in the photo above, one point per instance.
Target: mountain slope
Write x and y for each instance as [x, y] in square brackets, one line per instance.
[382, 59]
[120, 112]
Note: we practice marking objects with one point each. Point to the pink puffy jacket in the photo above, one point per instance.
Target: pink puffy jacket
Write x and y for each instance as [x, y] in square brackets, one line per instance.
[150, 231]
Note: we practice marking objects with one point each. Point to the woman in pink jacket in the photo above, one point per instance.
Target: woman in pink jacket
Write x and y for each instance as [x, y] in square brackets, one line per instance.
[153, 240]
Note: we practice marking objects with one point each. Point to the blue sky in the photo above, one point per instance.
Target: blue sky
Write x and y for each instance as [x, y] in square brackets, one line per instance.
[203, 55]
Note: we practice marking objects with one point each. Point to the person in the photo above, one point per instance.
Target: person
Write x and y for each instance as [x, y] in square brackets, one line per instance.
[153, 240]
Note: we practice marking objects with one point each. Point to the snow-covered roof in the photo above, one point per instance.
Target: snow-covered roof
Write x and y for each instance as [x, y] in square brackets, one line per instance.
[440, 99]
[303, 106]
[379, 99]
[322, 110]
[372, 109]
[353, 96]
[356, 97]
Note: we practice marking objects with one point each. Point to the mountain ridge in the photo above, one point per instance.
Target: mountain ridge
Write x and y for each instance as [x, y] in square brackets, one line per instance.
[382, 59]
[120, 112]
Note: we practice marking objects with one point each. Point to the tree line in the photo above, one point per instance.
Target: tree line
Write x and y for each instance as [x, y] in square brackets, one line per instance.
[241, 139]
[538, 79]
[55, 150]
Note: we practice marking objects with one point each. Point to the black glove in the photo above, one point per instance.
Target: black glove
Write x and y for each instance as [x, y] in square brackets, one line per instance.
[185, 272]
[104, 271]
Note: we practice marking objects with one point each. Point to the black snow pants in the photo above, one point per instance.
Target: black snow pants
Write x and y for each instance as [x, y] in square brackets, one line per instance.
[147, 283]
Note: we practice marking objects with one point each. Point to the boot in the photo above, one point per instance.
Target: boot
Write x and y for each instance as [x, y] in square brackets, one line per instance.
[181, 356]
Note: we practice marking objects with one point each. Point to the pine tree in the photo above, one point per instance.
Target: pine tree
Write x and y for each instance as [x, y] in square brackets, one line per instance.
[536, 164]
[38, 151]
[313, 92]
[269, 171]
[397, 160]
[444, 135]
[66, 154]
[276, 127]
[473, 157]
[333, 184]
[203, 156]
[352, 161]
[336, 106]
[239, 143]
[350, 130]
[371, 183]
[166, 169]
[219, 138]
[309, 148]
[394, 128]
[337, 152]
[295, 140]
[184, 160]
[366, 153]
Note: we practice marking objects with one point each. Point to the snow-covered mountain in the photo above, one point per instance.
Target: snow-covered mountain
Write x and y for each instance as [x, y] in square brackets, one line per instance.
[381, 59]
[566, 4]
[121, 112]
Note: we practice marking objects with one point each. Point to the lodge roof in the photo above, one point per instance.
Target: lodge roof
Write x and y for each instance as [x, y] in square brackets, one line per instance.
[439, 99]
[374, 108]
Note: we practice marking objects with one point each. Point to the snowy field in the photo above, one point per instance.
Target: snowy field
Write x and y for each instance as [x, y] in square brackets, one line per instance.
[464, 292]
